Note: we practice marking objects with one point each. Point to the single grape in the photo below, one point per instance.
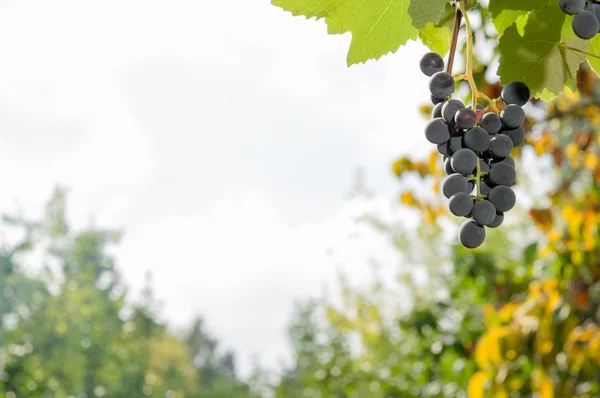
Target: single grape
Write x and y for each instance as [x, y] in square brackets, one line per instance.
[571, 7]
[503, 198]
[471, 186]
[448, 167]
[512, 116]
[491, 123]
[471, 235]
[437, 110]
[444, 149]
[454, 184]
[501, 145]
[515, 93]
[465, 118]
[497, 221]
[456, 143]
[431, 63]
[502, 174]
[483, 166]
[441, 84]
[449, 110]
[585, 25]
[437, 131]
[485, 188]
[595, 8]
[464, 161]
[508, 160]
[477, 139]
[460, 204]
[435, 100]
[483, 212]
[516, 135]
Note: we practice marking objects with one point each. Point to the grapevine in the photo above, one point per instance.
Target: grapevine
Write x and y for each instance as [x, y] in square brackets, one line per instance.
[475, 145]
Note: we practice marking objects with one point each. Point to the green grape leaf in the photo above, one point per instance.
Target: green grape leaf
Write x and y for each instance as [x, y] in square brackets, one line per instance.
[594, 50]
[377, 26]
[438, 37]
[546, 57]
[423, 12]
[505, 12]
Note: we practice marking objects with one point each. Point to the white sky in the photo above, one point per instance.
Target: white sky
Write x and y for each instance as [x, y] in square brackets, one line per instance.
[223, 136]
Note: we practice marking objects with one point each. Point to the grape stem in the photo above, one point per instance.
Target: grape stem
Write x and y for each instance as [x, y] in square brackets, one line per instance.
[468, 75]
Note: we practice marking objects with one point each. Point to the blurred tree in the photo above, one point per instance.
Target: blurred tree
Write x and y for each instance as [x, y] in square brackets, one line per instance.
[69, 330]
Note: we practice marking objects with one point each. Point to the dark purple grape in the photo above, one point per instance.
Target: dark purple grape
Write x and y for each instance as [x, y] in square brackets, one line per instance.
[497, 221]
[449, 110]
[456, 143]
[585, 25]
[501, 145]
[441, 85]
[460, 204]
[512, 116]
[516, 135]
[477, 139]
[431, 63]
[491, 123]
[485, 188]
[464, 161]
[507, 159]
[502, 174]
[435, 100]
[483, 166]
[483, 212]
[454, 184]
[571, 7]
[516, 93]
[471, 235]
[437, 110]
[465, 118]
[437, 131]
[503, 198]
[444, 148]
[595, 8]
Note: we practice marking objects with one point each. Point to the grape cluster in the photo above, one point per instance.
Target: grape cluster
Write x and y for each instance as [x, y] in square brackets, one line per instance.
[586, 23]
[476, 149]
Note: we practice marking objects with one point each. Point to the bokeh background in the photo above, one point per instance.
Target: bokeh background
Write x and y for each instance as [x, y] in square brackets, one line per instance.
[203, 200]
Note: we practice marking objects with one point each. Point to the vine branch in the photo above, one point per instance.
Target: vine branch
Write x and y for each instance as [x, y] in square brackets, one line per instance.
[454, 41]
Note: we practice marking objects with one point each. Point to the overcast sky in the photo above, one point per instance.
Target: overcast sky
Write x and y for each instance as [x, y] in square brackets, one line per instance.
[222, 136]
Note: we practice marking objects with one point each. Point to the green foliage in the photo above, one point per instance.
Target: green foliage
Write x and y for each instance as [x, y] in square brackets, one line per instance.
[377, 26]
[69, 329]
[437, 36]
[427, 11]
[540, 58]
[536, 42]
[505, 12]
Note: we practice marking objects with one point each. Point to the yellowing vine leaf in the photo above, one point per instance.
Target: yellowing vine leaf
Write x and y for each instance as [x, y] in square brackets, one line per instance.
[377, 26]
[540, 57]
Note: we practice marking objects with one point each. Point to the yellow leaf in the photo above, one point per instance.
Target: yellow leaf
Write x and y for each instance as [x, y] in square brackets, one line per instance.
[591, 161]
[577, 258]
[476, 386]
[501, 392]
[572, 151]
[408, 199]
[487, 350]
[547, 389]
